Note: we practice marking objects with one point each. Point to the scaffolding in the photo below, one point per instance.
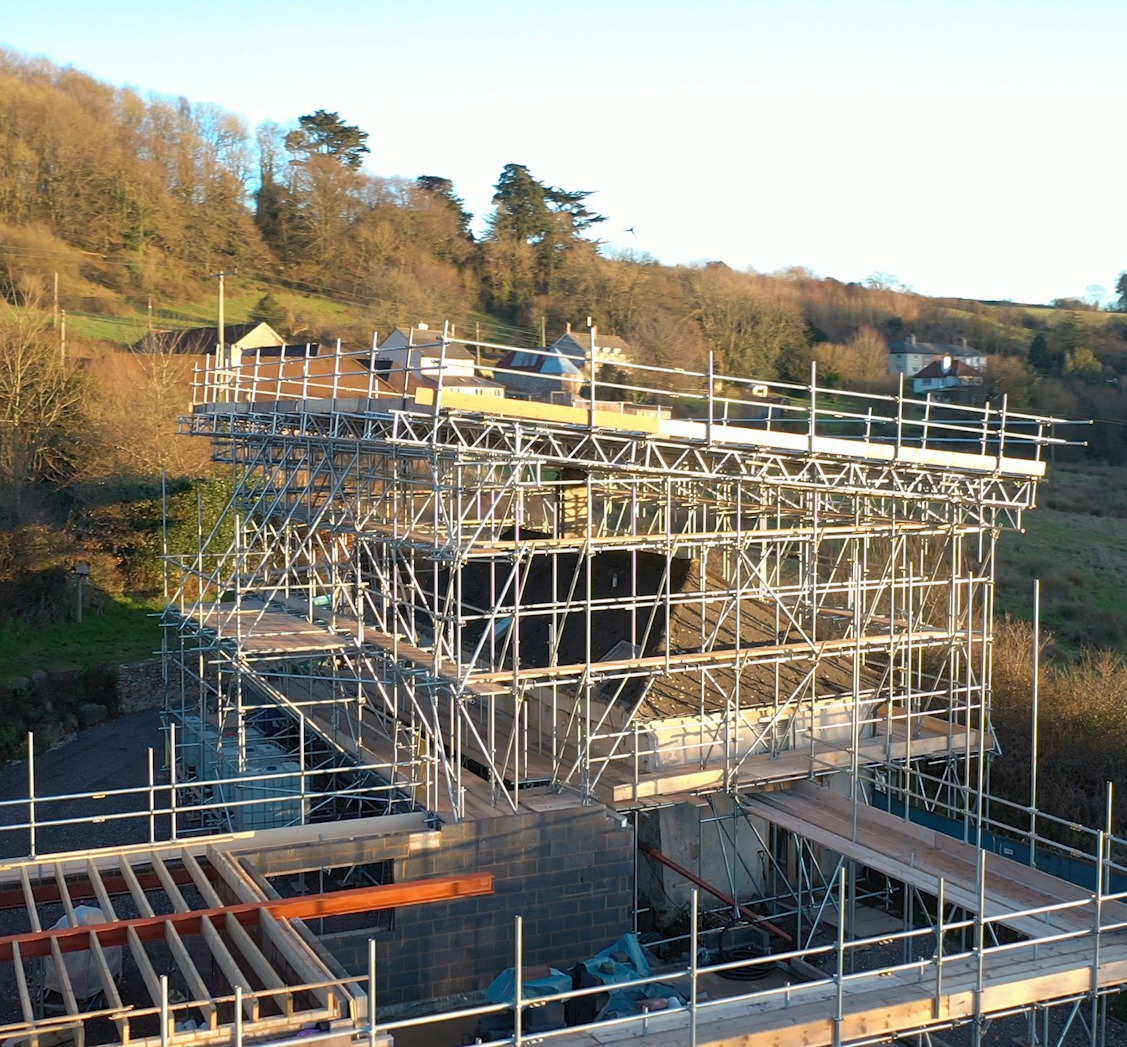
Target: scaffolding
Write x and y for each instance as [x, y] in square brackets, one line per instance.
[428, 603]
[683, 583]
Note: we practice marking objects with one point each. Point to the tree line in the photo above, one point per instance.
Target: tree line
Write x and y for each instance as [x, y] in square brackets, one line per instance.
[128, 196]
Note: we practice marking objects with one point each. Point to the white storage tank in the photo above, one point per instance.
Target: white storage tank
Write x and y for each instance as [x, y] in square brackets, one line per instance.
[258, 752]
[197, 744]
[277, 798]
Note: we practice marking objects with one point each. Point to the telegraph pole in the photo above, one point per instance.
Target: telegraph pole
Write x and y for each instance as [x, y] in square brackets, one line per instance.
[221, 352]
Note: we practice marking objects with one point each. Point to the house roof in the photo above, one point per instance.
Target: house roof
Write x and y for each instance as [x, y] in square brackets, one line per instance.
[199, 341]
[603, 342]
[935, 349]
[416, 339]
[547, 360]
[957, 369]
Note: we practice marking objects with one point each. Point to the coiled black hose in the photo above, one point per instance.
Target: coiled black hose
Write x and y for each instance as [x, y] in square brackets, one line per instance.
[742, 952]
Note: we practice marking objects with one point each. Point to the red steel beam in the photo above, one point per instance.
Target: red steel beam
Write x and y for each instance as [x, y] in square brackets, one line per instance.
[334, 903]
[727, 899]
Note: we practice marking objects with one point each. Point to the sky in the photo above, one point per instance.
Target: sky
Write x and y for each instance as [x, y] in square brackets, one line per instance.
[964, 148]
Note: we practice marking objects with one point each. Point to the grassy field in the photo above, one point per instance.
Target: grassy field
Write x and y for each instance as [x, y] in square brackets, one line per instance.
[1075, 542]
[131, 322]
[127, 631]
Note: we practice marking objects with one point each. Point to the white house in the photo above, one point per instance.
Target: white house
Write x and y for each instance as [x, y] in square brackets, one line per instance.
[946, 375]
[910, 357]
[609, 348]
[407, 359]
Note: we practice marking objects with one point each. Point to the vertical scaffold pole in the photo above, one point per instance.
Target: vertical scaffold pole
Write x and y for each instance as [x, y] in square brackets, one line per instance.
[164, 1016]
[593, 349]
[1098, 902]
[1035, 739]
[939, 902]
[371, 992]
[711, 386]
[31, 793]
[839, 1005]
[518, 977]
[693, 964]
[979, 944]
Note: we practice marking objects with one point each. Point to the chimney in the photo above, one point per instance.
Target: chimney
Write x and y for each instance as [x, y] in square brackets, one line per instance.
[912, 339]
[569, 327]
[964, 341]
[947, 364]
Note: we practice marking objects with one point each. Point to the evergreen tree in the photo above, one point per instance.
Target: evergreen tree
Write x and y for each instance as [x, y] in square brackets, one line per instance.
[443, 188]
[532, 231]
[1040, 355]
[269, 310]
[327, 134]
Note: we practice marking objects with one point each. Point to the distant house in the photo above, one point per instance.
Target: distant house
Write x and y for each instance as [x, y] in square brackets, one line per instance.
[548, 374]
[609, 349]
[407, 360]
[910, 357]
[946, 375]
[203, 341]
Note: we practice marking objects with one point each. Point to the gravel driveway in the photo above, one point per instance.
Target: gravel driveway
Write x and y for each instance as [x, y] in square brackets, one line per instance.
[102, 759]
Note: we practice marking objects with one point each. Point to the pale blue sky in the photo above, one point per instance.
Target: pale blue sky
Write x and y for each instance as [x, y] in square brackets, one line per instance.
[967, 148]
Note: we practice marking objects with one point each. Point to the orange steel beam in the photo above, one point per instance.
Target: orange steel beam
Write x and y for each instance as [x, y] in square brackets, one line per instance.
[746, 912]
[334, 903]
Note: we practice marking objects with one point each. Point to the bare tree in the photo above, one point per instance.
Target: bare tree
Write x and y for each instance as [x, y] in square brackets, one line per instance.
[41, 401]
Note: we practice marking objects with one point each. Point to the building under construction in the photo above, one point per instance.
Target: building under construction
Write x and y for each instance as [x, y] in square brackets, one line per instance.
[460, 683]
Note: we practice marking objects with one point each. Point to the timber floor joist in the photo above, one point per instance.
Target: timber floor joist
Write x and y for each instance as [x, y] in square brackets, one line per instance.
[199, 914]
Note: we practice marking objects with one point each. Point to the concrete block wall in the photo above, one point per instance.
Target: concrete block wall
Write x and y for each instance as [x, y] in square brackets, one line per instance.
[569, 873]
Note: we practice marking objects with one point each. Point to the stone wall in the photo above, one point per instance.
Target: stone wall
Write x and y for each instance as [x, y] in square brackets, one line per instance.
[140, 685]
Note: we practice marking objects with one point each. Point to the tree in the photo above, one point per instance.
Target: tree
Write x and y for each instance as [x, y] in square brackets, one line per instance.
[751, 329]
[1121, 290]
[326, 134]
[861, 365]
[274, 208]
[41, 403]
[1082, 363]
[1041, 358]
[269, 310]
[530, 214]
[1009, 376]
[443, 188]
[536, 213]
[325, 186]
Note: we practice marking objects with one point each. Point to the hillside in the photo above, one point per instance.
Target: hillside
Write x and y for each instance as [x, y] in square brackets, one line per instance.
[116, 212]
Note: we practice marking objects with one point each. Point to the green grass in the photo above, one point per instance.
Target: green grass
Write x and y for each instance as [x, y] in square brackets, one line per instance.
[1076, 544]
[129, 328]
[125, 632]
[125, 330]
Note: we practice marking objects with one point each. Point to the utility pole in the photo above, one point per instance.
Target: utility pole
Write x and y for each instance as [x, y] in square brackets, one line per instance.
[221, 351]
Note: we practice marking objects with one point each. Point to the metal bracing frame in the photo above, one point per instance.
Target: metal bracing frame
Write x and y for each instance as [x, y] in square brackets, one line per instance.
[456, 563]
